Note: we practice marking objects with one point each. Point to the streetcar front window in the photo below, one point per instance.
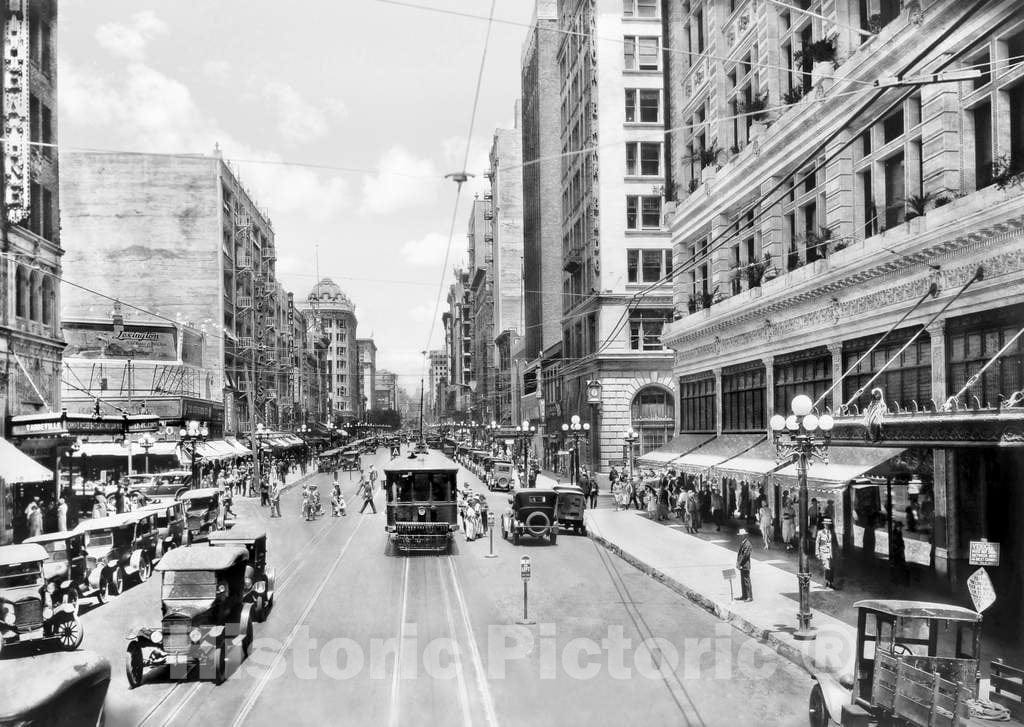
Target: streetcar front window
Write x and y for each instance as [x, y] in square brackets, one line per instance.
[441, 487]
[421, 487]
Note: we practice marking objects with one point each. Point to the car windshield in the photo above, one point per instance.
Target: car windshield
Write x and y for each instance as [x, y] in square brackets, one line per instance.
[56, 549]
[17, 575]
[189, 584]
[99, 538]
[199, 503]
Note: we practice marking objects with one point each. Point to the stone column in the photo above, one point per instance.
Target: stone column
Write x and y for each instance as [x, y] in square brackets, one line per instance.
[835, 400]
[946, 523]
[839, 197]
[769, 389]
[718, 400]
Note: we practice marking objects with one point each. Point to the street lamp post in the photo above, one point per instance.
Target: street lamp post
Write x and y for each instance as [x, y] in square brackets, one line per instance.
[194, 432]
[798, 437]
[574, 428]
[491, 429]
[257, 441]
[146, 441]
[631, 440]
[525, 432]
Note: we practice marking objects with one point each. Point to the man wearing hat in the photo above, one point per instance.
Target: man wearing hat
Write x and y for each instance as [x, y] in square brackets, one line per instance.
[823, 550]
[743, 565]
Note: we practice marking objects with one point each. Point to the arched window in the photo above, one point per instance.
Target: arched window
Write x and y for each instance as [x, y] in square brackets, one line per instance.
[49, 300]
[21, 292]
[35, 296]
[653, 417]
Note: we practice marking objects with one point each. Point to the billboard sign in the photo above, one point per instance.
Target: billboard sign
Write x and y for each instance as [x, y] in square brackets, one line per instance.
[137, 341]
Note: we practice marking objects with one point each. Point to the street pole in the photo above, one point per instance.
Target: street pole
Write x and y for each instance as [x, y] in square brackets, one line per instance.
[803, 632]
[490, 528]
[250, 399]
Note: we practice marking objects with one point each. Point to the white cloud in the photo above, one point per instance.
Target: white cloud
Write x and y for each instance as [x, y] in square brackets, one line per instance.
[217, 70]
[429, 250]
[401, 182]
[297, 119]
[129, 41]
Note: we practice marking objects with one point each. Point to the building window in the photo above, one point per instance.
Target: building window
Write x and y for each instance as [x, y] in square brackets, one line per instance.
[643, 106]
[982, 116]
[22, 292]
[640, 8]
[643, 158]
[645, 331]
[647, 266]
[905, 381]
[971, 341]
[641, 53]
[697, 403]
[808, 372]
[643, 212]
[653, 416]
[744, 398]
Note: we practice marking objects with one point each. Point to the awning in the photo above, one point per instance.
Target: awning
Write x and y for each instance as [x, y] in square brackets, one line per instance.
[675, 447]
[116, 449]
[240, 449]
[845, 464]
[750, 461]
[215, 449]
[714, 452]
[17, 467]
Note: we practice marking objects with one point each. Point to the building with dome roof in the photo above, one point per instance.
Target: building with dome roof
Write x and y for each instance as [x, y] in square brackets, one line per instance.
[335, 314]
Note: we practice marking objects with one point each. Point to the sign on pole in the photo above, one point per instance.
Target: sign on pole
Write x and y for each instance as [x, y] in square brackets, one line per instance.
[524, 567]
[984, 553]
[980, 587]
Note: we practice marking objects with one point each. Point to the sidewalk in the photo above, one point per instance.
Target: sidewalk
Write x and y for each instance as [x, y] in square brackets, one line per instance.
[693, 565]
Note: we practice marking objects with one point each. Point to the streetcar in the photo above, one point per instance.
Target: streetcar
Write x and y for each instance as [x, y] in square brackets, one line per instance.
[422, 507]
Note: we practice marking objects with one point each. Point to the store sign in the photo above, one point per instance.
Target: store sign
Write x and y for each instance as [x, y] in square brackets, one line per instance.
[524, 567]
[16, 153]
[980, 587]
[137, 341]
[984, 553]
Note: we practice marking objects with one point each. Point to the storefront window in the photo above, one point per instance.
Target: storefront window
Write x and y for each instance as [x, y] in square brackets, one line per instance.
[972, 340]
[906, 380]
[697, 403]
[743, 398]
[806, 372]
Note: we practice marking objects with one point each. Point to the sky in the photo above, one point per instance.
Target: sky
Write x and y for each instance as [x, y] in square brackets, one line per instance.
[379, 92]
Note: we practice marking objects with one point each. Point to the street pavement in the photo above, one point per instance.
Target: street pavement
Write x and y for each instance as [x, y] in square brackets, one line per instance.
[609, 645]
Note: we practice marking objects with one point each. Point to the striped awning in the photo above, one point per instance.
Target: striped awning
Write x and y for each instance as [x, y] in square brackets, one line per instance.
[17, 467]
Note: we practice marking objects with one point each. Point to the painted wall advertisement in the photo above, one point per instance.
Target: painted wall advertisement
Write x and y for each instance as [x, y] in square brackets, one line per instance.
[137, 341]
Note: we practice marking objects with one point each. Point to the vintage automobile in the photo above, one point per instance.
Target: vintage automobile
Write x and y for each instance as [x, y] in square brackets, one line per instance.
[118, 547]
[171, 524]
[148, 487]
[30, 606]
[502, 476]
[65, 564]
[571, 505]
[259, 578]
[350, 460]
[71, 695]
[205, 611]
[531, 512]
[916, 663]
[203, 511]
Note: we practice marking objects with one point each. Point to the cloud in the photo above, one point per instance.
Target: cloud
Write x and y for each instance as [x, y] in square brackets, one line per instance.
[429, 250]
[129, 41]
[402, 182]
[297, 119]
[218, 71]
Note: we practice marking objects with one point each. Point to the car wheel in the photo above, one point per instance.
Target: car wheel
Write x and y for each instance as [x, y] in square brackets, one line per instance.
[259, 609]
[69, 632]
[247, 641]
[115, 583]
[219, 665]
[515, 537]
[186, 538]
[145, 570]
[554, 535]
[133, 665]
[817, 711]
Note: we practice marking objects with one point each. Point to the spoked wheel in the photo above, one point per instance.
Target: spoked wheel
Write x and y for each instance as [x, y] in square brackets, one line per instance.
[115, 584]
[817, 710]
[259, 609]
[145, 570]
[219, 665]
[69, 633]
[247, 641]
[133, 665]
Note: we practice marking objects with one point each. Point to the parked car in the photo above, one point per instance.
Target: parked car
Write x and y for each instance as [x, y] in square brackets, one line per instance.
[148, 487]
[531, 512]
[65, 564]
[203, 511]
[118, 547]
[205, 611]
[71, 694]
[571, 505]
[502, 476]
[31, 607]
[171, 525]
[259, 577]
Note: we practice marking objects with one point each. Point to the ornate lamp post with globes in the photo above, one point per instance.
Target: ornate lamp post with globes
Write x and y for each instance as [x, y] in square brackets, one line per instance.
[631, 439]
[525, 432]
[575, 428]
[193, 433]
[146, 441]
[798, 437]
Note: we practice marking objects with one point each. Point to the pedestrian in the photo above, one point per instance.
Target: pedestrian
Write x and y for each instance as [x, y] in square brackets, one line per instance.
[99, 504]
[631, 495]
[338, 502]
[693, 511]
[823, 551]
[788, 521]
[717, 507]
[613, 477]
[585, 485]
[119, 498]
[652, 502]
[483, 514]
[764, 521]
[62, 515]
[366, 488]
[34, 516]
[275, 501]
[813, 521]
[265, 489]
[743, 566]
[594, 489]
[898, 550]
[373, 475]
[663, 502]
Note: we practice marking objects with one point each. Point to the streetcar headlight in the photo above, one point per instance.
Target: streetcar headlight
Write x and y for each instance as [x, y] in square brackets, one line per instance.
[195, 636]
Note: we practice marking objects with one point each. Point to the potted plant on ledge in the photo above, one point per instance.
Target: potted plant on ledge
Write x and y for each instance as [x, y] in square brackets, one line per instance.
[708, 160]
[817, 57]
[757, 109]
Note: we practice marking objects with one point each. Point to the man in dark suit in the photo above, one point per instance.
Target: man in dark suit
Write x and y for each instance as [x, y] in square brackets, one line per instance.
[743, 566]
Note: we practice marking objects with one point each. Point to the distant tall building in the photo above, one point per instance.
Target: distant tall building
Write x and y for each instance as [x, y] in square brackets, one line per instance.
[458, 323]
[437, 384]
[481, 308]
[336, 316]
[367, 374]
[386, 391]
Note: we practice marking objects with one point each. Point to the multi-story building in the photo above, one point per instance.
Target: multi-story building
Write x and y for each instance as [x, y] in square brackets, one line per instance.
[542, 211]
[831, 237]
[187, 244]
[309, 348]
[506, 262]
[480, 237]
[458, 325]
[437, 384]
[367, 374]
[615, 250]
[386, 392]
[335, 314]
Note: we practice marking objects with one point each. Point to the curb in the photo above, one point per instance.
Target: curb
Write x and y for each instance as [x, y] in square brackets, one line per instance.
[782, 647]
